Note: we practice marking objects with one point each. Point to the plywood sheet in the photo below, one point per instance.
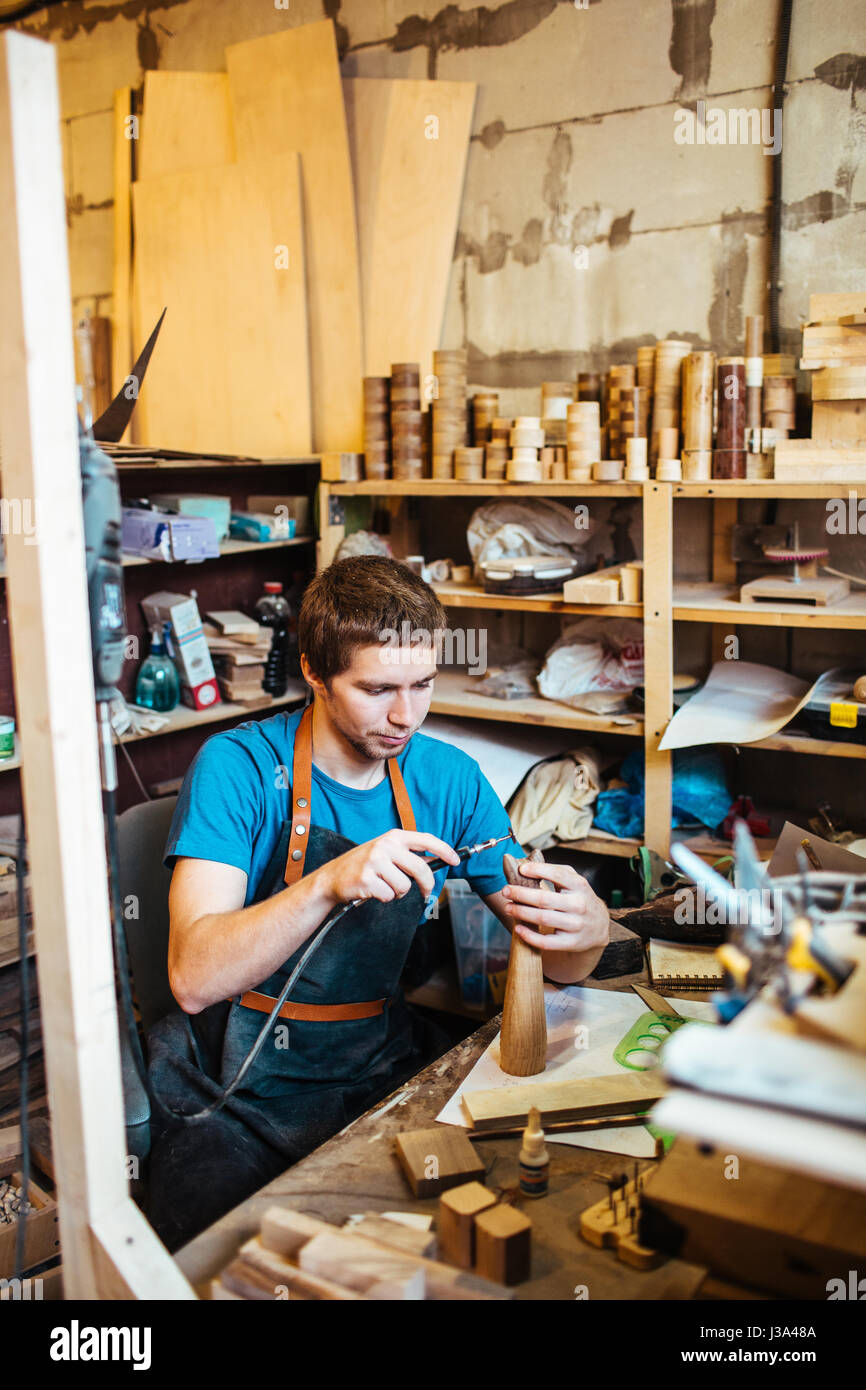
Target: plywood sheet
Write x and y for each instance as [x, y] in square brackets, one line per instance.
[186, 123]
[231, 369]
[409, 143]
[286, 93]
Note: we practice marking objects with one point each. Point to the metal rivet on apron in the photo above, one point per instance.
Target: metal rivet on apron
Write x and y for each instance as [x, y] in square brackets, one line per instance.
[302, 801]
[299, 829]
[296, 853]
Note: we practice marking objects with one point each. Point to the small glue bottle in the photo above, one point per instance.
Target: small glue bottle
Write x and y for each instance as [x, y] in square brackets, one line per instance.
[534, 1159]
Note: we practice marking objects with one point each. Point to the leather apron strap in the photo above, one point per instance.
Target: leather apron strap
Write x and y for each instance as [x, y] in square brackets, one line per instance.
[302, 786]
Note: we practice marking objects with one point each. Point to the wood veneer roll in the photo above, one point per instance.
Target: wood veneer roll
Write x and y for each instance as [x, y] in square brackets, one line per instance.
[697, 405]
[729, 457]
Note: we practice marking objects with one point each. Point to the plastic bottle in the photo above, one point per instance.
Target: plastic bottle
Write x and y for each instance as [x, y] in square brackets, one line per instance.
[157, 686]
[533, 1159]
[272, 610]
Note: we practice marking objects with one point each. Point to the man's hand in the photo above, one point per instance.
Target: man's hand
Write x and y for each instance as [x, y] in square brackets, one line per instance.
[571, 927]
[384, 868]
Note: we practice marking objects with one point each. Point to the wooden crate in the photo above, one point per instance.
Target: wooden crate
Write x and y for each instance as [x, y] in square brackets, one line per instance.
[42, 1240]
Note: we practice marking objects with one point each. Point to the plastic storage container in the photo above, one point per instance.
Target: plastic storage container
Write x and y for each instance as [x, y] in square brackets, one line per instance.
[834, 713]
[482, 945]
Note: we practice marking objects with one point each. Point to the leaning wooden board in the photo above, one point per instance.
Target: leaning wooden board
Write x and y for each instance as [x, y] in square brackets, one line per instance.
[231, 370]
[186, 123]
[409, 143]
[122, 355]
[286, 94]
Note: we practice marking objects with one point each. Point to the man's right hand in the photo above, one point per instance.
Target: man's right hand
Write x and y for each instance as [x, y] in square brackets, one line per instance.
[384, 868]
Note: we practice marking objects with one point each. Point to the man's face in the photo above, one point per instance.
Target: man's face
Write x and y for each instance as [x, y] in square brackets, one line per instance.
[382, 699]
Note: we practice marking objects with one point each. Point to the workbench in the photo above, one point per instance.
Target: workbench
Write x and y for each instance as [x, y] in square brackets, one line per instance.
[357, 1171]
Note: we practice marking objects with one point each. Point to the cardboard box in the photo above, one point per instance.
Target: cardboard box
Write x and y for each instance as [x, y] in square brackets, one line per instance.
[296, 508]
[198, 681]
[201, 504]
[164, 536]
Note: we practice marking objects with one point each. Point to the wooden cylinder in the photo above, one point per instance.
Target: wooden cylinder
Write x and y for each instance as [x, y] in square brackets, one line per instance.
[630, 577]
[523, 1040]
[646, 367]
[729, 457]
[485, 409]
[667, 389]
[469, 464]
[754, 366]
[589, 386]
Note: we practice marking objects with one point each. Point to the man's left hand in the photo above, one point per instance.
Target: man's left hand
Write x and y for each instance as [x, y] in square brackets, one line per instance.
[572, 919]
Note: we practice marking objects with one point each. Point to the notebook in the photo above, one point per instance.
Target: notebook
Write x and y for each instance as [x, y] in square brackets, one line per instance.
[674, 965]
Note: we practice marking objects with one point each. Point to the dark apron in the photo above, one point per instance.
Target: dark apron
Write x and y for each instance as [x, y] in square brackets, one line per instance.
[311, 1078]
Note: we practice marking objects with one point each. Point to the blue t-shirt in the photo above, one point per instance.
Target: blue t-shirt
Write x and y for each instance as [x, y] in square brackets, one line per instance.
[236, 796]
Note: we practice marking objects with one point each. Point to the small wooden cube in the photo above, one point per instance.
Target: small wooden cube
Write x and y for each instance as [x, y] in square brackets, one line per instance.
[436, 1159]
[457, 1212]
[502, 1245]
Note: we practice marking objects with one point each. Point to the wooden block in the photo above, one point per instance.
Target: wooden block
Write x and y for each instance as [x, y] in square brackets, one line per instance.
[785, 1232]
[231, 371]
[408, 1238]
[286, 94]
[603, 586]
[623, 954]
[287, 1232]
[804, 460]
[457, 1212]
[839, 422]
[277, 1279]
[359, 1265]
[342, 467]
[503, 1239]
[839, 384]
[817, 592]
[408, 188]
[186, 123]
[559, 1101]
[833, 343]
[436, 1159]
[828, 307]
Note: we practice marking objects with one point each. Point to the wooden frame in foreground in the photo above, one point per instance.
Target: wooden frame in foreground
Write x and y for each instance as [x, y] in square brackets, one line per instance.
[109, 1249]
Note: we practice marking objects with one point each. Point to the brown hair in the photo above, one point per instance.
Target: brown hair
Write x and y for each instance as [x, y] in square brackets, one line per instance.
[354, 602]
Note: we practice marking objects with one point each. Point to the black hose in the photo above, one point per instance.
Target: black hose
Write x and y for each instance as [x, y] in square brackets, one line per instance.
[783, 36]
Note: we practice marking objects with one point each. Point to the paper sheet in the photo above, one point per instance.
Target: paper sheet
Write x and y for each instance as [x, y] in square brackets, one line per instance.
[583, 1028]
[741, 702]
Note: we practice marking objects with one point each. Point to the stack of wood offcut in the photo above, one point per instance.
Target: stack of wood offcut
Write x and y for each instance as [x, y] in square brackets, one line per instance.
[406, 421]
[239, 648]
[377, 427]
[834, 351]
[296, 1256]
[449, 409]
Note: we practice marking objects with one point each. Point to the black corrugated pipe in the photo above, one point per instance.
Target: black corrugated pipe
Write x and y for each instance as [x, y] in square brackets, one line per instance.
[782, 37]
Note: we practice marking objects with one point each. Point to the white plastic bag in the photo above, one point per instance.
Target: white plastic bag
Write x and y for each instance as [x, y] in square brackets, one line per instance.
[594, 665]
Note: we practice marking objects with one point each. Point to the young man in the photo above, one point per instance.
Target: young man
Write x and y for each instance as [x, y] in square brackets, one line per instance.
[280, 823]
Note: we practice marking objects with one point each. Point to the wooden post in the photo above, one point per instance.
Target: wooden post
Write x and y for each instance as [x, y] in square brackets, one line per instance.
[659, 658]
[109, 1250]
[724, 568]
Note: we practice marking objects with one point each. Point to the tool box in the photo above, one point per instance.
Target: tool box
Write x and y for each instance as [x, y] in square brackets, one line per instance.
[833, 713]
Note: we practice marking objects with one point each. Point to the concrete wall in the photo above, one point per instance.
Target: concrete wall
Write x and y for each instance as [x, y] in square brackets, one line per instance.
[585, 228]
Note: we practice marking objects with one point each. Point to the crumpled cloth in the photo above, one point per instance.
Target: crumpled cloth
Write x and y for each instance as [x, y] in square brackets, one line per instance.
[699, 793]
[535, 526]
[555, 800]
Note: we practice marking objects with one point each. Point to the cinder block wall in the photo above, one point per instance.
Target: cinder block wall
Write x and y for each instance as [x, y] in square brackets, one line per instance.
[586, 228]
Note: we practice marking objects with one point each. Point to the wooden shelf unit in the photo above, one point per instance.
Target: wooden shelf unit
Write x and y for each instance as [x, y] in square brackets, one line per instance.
[664, 603]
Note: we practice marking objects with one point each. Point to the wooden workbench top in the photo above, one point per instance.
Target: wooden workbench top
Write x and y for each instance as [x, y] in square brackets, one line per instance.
[357, 1171]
